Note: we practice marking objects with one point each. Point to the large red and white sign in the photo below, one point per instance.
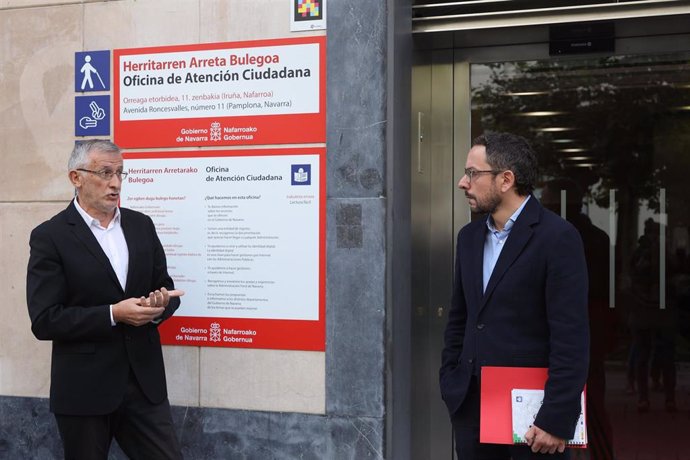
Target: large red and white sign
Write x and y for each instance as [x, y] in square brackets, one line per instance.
[220, 94]
[244, 234]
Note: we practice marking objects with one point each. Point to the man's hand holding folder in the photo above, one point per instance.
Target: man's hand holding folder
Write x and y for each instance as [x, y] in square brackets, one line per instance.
[543, 442]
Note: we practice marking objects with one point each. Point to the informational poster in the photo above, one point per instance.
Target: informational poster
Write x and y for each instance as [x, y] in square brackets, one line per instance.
[221, 94]
[244, 235]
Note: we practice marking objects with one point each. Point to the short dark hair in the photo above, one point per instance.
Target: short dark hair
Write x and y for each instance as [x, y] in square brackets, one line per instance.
[506, 151]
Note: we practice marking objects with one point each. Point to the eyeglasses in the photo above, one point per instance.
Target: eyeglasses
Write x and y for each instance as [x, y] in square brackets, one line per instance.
[471, 173]
[106, 174]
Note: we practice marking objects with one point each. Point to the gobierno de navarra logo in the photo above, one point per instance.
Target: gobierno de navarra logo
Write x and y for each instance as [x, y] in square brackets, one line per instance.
[214, 332]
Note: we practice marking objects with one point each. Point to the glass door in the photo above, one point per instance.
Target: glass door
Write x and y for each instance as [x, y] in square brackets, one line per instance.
[613, 139]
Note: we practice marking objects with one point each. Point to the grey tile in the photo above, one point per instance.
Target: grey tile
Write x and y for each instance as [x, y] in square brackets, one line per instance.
[355, 311]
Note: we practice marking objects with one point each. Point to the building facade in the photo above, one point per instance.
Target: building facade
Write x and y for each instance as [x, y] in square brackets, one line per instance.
[600, 88]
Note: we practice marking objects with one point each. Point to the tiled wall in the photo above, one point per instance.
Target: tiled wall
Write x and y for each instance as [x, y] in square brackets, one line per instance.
[342, 388]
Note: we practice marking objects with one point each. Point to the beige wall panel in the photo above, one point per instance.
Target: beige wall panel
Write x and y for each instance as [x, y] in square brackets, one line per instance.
[34, 3]
[182, 372]
[37, 101]
[270, 380]
[133, 24]
[24, 360]
[244, 20]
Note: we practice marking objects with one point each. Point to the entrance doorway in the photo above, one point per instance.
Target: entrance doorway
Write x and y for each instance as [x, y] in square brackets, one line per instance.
[613, 137]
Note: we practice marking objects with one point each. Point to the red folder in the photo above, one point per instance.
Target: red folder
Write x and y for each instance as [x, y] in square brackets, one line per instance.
[495, 420]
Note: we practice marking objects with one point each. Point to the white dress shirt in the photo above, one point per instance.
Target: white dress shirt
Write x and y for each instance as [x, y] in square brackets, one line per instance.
[112, 241]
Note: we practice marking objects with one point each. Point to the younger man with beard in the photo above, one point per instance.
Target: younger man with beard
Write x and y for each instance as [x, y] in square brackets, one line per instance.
[519, 299]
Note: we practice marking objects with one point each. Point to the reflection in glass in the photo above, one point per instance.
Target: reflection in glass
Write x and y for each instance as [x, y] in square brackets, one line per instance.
[613, 137]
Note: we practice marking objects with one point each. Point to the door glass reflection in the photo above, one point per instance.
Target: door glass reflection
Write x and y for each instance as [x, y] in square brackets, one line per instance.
[613, 139]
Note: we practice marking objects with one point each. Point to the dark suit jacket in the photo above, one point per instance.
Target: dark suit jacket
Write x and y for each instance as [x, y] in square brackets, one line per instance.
[70, 285]
[533, 313]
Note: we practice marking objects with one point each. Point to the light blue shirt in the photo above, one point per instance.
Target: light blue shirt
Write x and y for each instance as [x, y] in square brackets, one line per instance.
[495, 240]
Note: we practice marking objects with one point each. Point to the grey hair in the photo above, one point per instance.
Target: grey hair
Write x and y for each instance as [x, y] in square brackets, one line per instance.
[80, 155]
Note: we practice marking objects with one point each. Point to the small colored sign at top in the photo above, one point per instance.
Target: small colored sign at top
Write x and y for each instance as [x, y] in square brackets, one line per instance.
[308, 10]
[92, 71]
[308, 15]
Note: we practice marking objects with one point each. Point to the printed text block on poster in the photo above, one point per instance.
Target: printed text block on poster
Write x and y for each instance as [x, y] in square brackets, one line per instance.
[244, 235]
[221, 94]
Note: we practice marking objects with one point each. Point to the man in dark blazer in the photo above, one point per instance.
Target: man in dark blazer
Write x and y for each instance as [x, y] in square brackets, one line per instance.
[519, 299]
[98, 286]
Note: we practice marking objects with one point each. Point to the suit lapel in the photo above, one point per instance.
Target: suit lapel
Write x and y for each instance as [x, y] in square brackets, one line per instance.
[517, 240]
[132, 240]
[84, 234]
[478, 259]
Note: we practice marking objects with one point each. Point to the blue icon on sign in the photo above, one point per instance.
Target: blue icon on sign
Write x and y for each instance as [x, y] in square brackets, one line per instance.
[92, 71]
[92, 116]
[301, 175]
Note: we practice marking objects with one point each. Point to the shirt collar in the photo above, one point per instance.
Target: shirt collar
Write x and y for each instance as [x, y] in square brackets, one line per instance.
[93, 221]
[511, 220]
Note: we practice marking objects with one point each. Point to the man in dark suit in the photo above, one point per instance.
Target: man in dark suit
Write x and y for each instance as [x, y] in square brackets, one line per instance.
[98, 286]
[519, 299]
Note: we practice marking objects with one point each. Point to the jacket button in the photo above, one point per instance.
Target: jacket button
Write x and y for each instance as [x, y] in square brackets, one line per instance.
[480, 326]
[471, 361]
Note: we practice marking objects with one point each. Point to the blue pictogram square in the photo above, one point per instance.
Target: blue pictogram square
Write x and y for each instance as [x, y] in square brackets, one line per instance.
[92, 71]
[301, 175]
[92, 115]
